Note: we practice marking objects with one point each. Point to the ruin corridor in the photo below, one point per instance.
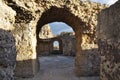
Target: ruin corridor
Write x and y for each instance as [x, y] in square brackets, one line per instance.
[96, 28]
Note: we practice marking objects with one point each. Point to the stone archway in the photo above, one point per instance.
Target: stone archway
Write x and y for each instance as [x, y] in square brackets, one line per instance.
[55, 44]
[64, 15]
[45, 46]
[70, 19]
[23, 17]
[60, 44]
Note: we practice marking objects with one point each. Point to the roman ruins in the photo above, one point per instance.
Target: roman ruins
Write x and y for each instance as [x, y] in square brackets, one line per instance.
[96, 30]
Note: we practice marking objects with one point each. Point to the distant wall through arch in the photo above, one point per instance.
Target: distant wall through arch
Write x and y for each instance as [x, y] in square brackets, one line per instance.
[45, 46]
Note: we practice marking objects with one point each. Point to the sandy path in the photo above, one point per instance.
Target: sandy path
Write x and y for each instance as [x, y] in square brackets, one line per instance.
[57, 68]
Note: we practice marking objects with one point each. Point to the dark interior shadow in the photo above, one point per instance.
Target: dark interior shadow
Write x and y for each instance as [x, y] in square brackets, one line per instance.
[91, 63]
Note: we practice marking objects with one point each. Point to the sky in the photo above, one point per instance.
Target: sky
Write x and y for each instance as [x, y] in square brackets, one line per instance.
[109, 2]
[58, 27]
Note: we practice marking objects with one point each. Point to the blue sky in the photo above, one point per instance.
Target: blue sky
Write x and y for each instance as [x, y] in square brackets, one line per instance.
[58, 27]
[109, 2]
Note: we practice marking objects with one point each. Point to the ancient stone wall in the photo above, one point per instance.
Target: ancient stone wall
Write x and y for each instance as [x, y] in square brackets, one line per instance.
[45, 32]
[68, 43]
[21, 27]
[7, 55]
[7, 43]
[90, 51]
[45, 47]
[109, 42]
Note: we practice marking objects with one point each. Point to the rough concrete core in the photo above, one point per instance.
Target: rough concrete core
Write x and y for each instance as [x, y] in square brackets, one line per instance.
[109, 42]
[7, 55]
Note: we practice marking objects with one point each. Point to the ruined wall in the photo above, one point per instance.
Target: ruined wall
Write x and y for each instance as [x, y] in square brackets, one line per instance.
[68, 43]
[25, 19]
[7, 55]
[44, 44]
[18, 22]
[45, 47]
[7, 43]
[109, 42]
[45, 32]
[90, 51]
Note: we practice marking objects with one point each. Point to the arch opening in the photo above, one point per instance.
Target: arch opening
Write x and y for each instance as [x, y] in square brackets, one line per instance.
[83, 37]
[56, 45]
[62, 50]
[66, 17]
[60, 32]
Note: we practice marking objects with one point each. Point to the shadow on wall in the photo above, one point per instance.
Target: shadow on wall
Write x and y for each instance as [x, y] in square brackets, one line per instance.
[8, 61]
[26, 68]
[56, 52]
[7, 55]
[91, 64]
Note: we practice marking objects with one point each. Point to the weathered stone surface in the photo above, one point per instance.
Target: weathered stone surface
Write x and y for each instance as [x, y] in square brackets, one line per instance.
[45, 46]
[7, 55]
[46, 32]
[68, 43]
[7, 16]
[25, 19]
[109, 42]
[91, 63]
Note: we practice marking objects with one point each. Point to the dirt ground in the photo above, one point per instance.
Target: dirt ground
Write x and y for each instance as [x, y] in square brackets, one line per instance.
[57, 68]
